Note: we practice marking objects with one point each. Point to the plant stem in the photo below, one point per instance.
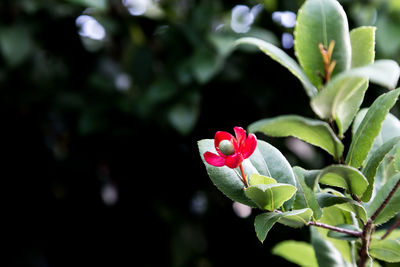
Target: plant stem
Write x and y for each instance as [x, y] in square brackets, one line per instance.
[244, 179]
[386, 201]
[365, 239]
[334, 228]
[391, 228]
[369, 228]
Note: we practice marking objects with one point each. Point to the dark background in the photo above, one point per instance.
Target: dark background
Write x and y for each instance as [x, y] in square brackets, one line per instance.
[69, 133]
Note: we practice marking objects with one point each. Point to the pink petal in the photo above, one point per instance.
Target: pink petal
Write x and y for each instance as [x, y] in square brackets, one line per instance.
[233, 161]
[214, 159]
[240, 135]
[249, 146]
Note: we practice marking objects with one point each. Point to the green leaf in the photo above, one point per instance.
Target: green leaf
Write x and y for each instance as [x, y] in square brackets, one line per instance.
[392, 207]
[270, 196]
[344, 236]
[362, 41]
[395, 234]
[327, 254]
[321, 21]
[335, 216]
[372, 164]
[305, 197]
[314, 132]
[284, 59]
[338, 200]
[390, 129]
[386, 250]
[270, 162]
[370, 128]
[300, 253]
[261, 179]
[341, 98]
[384, 72]
[345, 177]
[296, 218]
[265, 221]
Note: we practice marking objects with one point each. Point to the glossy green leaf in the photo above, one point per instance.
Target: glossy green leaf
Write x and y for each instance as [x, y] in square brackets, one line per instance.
[340, 100]
[343, 95]
[362, 41]
[392, 207]
[327, 254]
[386, 250]
[312, 131]
[270, 196]
[395, 234]
[305, 197]
[321, 21]
[372, 164]
[270, 162]
[338, 200]
[298, 252]
[261, 179]
[345, 177]
[296, 218]
[370, 128]
[344, 236]
[384, 72]
[390, 129]
[284, 59]
[265, 221]
[335, 216]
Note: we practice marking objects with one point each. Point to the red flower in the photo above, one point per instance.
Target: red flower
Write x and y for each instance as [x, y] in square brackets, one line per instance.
[231, 151]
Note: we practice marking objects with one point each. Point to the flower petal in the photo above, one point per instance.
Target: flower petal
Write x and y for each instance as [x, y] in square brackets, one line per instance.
[240, 135]
[221, 135]
[249, 146]
[214, 159]
[234, 160]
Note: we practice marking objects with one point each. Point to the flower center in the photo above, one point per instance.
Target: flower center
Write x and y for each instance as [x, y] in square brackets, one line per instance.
[226, 148]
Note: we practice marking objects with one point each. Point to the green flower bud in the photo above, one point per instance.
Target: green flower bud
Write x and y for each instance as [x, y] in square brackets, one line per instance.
[226, 148]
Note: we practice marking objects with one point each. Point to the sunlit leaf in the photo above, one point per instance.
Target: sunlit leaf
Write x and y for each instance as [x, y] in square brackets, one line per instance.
[370, 128]
[321, 21]
[265, 221]
[338, 200]
[386, 250]
[372, 164]
[315, 132]
[305, 197]
[362, 46]
[345, 177]
[298, 252]
[392, 207]
[270, 196]
[327, 254]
